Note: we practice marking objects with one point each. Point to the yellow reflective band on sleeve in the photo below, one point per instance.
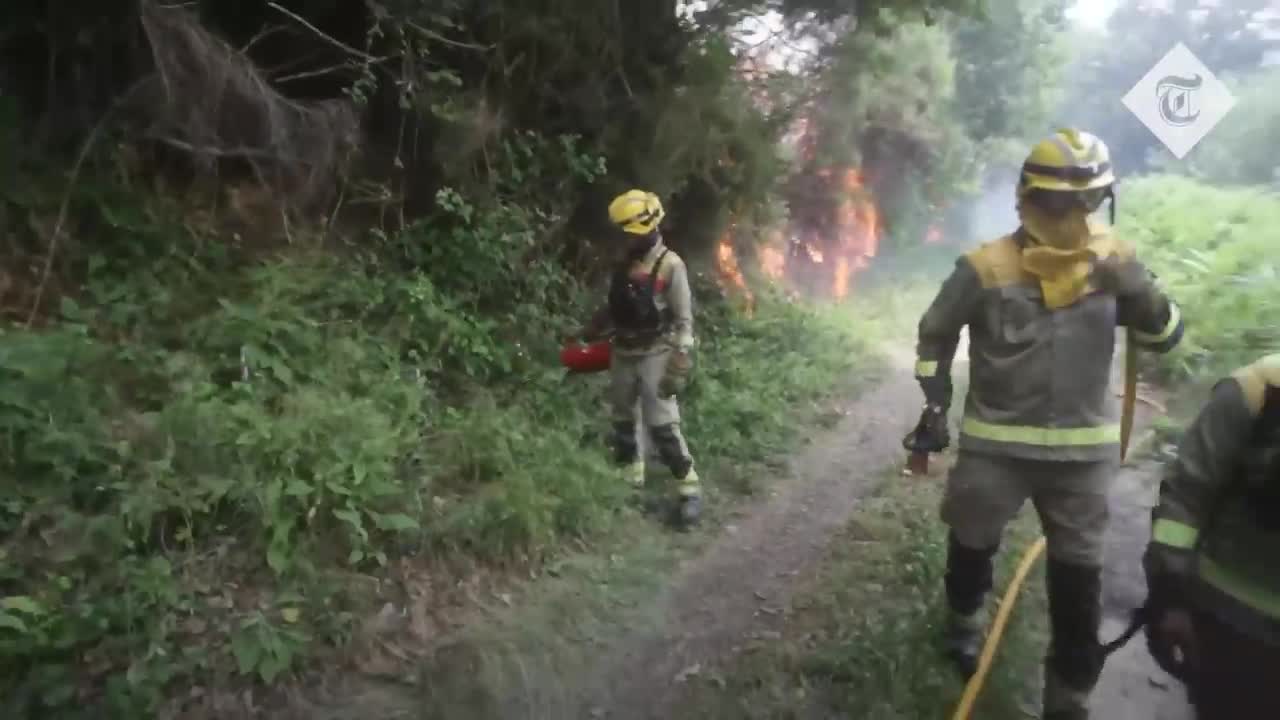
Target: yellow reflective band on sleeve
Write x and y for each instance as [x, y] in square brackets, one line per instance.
[1240, 587]
[1174, 534]
[926, 368]
[1175, 317]
[1042, 436]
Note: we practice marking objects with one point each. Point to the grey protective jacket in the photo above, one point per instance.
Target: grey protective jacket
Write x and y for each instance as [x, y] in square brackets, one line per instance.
[1039, 378]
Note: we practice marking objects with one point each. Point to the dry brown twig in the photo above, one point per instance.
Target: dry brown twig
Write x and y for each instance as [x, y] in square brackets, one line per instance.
[209, 100]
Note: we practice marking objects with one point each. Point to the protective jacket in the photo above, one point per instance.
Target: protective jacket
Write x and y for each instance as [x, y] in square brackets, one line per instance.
[650, 304]
[1216, 530]
[1039, 377]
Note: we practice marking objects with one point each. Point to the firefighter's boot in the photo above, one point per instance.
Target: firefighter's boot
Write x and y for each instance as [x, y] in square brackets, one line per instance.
[969, 578]
[1075, 657]
[962, 642]
[633, 473]
[690, 499]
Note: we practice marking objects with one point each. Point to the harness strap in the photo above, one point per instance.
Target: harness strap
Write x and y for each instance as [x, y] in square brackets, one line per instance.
[1137, 621]
[653, 274]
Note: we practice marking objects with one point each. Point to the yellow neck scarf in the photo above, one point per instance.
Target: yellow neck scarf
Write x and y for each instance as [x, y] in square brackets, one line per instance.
[1060, 252]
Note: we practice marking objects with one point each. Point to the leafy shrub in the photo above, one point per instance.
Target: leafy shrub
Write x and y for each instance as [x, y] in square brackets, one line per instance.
[1214, 249]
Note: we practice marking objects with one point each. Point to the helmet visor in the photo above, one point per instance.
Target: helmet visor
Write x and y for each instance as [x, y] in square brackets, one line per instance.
[1057, 203]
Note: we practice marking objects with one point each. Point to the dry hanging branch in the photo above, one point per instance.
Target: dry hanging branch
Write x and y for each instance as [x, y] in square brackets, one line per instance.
[210, 100]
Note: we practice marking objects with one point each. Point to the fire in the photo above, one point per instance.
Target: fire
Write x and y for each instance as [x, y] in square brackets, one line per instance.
[857, 231]
[833, 236]
[729, 271]
[773, 262]
[933, 236]
[843, 270]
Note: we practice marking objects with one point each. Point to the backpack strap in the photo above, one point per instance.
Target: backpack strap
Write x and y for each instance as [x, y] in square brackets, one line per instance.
[657, 268]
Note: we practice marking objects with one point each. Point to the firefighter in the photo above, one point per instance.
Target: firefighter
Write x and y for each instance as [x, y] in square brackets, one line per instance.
[1041, 305]
[1213, 565]
[650, 315]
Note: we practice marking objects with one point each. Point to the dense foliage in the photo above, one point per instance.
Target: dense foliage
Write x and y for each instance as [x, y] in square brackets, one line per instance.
[1214, 249]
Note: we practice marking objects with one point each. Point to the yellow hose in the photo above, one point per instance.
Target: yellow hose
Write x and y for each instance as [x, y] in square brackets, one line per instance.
[974, 686]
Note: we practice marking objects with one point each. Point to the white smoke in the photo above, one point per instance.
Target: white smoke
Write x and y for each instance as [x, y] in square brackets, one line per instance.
[993, 213]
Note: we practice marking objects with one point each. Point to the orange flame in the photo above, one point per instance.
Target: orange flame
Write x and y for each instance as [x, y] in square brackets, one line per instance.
[773, 262]
[843, 271]
[730, 273]
[858, 231]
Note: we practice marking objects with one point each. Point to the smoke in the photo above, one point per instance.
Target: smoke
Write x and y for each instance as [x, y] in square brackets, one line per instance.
[994, 212]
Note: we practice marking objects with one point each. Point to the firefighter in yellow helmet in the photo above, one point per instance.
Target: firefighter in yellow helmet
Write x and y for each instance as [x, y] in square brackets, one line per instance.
[1042, 305]
[650, 314]
[1213, 565]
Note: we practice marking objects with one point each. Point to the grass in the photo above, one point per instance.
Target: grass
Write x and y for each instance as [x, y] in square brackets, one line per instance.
[861, 641]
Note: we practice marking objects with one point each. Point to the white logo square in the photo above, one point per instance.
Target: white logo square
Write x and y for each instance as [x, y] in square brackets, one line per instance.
[1179, 100]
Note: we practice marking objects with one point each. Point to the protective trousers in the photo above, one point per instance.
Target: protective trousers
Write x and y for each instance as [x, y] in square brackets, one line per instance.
[635, 378]
[983, 494]
[1236, 677]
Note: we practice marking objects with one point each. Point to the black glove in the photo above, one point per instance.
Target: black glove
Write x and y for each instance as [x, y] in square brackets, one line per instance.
[1170, 629]
[930, 434]
[1121, 277]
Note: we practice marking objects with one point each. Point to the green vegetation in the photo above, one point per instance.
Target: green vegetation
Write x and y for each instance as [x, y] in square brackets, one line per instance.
[1213, 247]
[282, 290]
[862, 638]
[293, 424]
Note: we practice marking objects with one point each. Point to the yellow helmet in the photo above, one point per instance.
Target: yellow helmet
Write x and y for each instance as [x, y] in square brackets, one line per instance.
[637, 212]
[1070, 160]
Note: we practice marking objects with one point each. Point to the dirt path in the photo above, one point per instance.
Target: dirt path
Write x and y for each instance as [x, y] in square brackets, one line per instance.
[737, 588]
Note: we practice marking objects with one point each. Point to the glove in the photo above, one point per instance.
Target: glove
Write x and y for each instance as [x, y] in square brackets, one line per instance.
[1171, 639]
[1122, 278]
[930, 434]
[1170, 628]
[676, 376]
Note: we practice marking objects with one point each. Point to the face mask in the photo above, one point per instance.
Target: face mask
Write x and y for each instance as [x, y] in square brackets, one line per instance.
[1059, 253]
[1067, 230]
[639, 245]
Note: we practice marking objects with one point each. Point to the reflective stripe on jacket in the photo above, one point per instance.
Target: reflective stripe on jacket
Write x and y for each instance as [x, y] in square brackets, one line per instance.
[1216, 529]
[1039, 378]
